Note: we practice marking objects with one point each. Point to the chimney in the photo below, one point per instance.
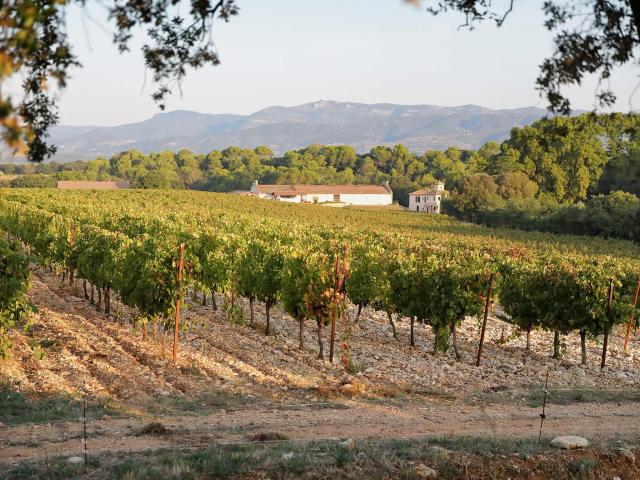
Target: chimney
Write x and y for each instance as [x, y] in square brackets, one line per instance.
[385, 184]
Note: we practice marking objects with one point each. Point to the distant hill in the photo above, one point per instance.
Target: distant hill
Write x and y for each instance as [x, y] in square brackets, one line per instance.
[419, 127]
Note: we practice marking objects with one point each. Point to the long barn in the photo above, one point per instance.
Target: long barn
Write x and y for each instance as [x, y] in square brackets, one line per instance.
[91, 185]
[345, 194]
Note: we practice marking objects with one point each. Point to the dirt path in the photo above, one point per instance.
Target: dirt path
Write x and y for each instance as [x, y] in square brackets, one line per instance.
[353, 420]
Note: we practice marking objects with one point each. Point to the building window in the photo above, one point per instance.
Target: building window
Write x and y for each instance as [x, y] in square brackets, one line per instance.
[418, 199]
[336, 197]
[438, 198]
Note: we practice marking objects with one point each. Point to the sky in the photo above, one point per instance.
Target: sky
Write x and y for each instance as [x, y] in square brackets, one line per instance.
[289, 52]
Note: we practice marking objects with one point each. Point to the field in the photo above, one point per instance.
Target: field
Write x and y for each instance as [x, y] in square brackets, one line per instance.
[238, 403]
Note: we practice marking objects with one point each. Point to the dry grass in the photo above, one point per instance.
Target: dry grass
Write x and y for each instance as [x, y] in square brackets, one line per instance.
[480, 458]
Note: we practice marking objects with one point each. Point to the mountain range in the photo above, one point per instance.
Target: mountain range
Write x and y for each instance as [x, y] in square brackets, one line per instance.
[419, 127]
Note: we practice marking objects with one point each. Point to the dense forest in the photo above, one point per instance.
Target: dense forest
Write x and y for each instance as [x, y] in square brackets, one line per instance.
[565, 174]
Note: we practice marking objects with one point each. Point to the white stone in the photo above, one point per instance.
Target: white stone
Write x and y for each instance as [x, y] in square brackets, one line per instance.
[569, 442]
[75, 460]
[348, 443]
[422, 471]
[287, 456]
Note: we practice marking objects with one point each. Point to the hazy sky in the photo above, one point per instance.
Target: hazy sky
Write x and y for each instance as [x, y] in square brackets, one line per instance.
[289, 52]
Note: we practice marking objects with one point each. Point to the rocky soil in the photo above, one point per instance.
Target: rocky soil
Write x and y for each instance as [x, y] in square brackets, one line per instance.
[83, 349]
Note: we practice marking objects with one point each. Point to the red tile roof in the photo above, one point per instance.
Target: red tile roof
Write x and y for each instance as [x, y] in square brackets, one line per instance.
[424, 191]
[81, 185]
[323, 189]
[430, 191]
[286, 193]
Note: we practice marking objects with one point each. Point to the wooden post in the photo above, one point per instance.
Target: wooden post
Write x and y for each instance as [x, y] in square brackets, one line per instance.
[632, 318]
[301, 329]
[484, 321]
[176, 332]
[605, 344]
[412, 340]
[336, 285]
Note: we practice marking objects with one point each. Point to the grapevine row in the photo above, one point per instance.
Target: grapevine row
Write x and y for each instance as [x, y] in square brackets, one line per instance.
[124, 249]
[14, 283]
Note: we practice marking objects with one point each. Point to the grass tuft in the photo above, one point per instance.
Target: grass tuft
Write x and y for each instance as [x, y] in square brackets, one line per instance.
[18, 408]
[534, 397]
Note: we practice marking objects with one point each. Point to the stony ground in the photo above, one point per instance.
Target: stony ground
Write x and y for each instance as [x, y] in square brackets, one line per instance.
[264, 383]
[110, 357]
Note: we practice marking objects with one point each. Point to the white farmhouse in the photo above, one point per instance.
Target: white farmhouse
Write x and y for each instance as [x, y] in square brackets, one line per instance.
[341, 194]
[427, 199]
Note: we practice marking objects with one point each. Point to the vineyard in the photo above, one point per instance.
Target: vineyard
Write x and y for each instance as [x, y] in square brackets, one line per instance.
[147, 250]
[302, 323]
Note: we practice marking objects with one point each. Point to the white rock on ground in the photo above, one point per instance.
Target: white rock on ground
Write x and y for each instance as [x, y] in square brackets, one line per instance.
[348, 443]
[75, 460]
[422, 471]
[569, 442]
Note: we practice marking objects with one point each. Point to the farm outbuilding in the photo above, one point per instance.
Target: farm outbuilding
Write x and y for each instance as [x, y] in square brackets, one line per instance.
[345, 194]
[85, 185]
